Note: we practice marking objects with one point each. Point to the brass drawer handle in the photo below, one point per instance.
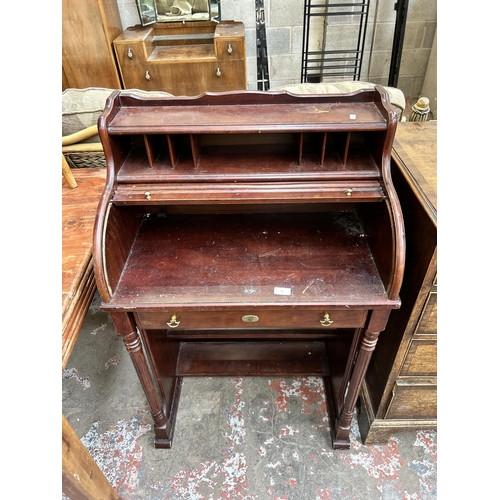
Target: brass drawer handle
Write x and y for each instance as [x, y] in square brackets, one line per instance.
[326, 321]
[173, 323]
[147, 195]
[349, 191]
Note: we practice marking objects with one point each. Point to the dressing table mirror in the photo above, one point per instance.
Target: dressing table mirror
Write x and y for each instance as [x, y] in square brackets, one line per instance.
[171, 11]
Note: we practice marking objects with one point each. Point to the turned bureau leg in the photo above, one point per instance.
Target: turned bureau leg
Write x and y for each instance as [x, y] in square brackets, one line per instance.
[126, 328]
[342, 424]
[163, 355]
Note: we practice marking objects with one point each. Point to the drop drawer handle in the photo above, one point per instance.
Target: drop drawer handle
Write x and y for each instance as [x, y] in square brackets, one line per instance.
[147, 195]
[349, 191]
[326, 321]
[173, 323]
[218, 73]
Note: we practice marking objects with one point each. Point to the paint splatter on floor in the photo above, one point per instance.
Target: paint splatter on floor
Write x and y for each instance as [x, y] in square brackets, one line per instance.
[385, 462]
[286, 469]
[379, 461]
[117, 451]
[111, 361]
[73, 373]
[226, 479]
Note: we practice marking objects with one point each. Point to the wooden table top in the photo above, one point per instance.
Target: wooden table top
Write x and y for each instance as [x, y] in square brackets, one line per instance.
[415, 153]
[79, 207]
[78, 212]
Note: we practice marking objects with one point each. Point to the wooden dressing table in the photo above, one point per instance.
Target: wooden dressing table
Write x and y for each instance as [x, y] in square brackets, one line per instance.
[183, 58]
[249, 234]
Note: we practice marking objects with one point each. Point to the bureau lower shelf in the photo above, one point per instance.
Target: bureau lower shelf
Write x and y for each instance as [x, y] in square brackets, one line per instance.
[261, 359]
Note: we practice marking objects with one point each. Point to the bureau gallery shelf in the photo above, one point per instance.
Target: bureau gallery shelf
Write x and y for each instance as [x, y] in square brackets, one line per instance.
[212, 142]
[249, 234]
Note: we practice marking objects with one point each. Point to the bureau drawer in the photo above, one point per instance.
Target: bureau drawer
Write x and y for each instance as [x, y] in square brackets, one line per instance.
[421, 359]
[252, 318]
[244, 192]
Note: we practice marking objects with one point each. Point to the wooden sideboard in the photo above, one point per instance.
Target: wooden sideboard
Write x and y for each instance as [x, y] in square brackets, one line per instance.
[183, 58]
[249, 234]
[88, 30]
[400, 389]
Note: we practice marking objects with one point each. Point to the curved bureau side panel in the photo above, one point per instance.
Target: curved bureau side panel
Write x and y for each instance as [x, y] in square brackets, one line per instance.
[115, 227]
[120, 230]
[399, 244]
[98, 254]
[104, 204]
[394, 207]
[103, 286]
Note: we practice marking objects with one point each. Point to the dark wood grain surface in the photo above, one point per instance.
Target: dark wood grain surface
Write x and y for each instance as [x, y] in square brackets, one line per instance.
[240, 259]
[249, 117]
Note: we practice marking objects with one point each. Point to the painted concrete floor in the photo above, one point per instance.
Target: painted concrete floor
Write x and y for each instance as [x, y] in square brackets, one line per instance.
[235, 438]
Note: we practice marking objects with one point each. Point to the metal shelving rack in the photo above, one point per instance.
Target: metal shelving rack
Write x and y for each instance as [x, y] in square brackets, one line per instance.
[345, 63]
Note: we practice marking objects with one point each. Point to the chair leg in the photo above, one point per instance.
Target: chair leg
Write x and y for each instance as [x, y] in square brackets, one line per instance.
[68, 174]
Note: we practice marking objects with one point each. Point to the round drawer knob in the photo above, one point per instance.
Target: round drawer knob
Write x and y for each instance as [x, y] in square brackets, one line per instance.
[147, 195]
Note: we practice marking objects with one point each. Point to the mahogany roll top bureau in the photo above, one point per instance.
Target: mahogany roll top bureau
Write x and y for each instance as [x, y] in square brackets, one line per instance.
[249, 233]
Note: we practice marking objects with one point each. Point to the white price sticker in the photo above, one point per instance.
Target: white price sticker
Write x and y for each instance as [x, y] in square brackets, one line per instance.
[279, 290]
